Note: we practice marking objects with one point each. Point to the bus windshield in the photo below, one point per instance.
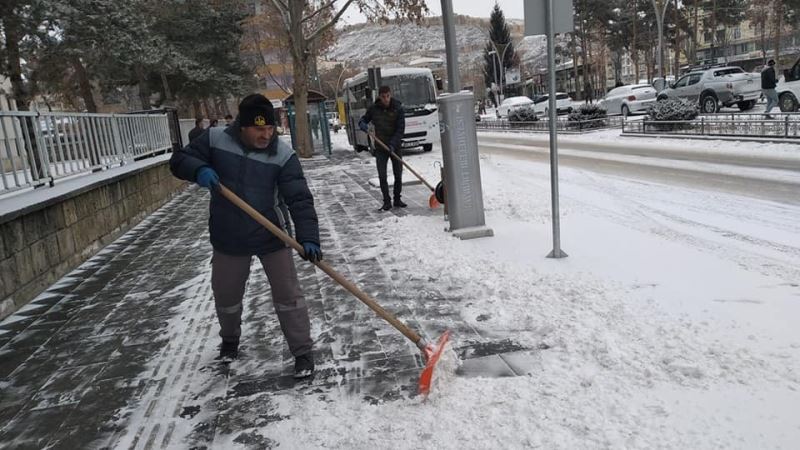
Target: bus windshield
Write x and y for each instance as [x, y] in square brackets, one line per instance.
[411, 90]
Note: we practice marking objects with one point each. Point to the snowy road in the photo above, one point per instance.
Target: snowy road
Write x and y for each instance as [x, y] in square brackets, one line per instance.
[769, 177]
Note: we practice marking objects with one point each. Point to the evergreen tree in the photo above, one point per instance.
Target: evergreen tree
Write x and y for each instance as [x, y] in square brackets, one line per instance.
[499, 43]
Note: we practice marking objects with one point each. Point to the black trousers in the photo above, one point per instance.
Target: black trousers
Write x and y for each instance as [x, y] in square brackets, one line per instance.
[381, 157]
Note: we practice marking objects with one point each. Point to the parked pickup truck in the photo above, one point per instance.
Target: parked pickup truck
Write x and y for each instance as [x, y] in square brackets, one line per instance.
[716, 87]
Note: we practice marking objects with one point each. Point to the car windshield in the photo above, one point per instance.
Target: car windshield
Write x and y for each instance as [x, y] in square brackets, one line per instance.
[411, 90]
[646, 86]
[562, 96]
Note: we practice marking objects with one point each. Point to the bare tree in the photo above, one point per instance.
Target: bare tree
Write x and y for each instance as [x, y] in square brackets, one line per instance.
[306, 24]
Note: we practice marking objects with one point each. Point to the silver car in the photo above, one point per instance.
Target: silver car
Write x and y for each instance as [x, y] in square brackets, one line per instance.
[632, 99]
[715, 87]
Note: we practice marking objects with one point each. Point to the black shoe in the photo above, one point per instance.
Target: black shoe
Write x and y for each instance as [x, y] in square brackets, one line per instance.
[229, 351]
[386, 206]
[304, 366]
[399, 203]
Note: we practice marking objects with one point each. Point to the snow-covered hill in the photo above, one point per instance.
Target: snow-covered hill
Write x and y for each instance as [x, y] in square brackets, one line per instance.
[398, 44]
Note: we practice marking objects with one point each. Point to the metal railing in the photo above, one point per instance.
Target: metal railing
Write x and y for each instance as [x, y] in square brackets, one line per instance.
[562, 125]
[783, 126]
[37, 148]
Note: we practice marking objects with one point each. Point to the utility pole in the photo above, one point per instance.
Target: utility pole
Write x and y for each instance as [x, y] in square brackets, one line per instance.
[451, 49]
[557, 252]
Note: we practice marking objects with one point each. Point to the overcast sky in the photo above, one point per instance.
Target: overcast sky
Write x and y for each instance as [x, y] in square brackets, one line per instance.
[475, 8]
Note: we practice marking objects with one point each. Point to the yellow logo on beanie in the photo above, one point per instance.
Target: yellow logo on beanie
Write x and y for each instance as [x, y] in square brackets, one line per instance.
[260, 121]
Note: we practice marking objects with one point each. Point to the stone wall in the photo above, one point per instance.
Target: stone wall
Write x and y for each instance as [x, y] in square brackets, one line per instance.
[40, 245]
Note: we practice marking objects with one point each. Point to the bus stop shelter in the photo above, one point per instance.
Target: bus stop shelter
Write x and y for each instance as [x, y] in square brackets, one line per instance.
[318, 130]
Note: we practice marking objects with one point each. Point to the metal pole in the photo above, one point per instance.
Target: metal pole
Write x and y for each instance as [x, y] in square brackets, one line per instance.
[660, 20]
[453, 82]
[551, 64]
[494, 75]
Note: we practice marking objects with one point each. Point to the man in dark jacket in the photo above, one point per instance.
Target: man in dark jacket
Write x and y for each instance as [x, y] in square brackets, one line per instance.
[197, 130]
[248, 158]
[389, 121]
[768, 84]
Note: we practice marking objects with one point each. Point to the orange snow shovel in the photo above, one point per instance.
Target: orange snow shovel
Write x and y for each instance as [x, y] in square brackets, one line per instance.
[432, 201]
[430, 352]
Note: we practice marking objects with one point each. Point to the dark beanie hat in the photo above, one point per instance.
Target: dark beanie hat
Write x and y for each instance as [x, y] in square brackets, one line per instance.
[256, 110]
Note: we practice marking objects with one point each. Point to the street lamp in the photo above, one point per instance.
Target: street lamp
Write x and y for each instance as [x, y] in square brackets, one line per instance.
[502, 58]
[660, 11]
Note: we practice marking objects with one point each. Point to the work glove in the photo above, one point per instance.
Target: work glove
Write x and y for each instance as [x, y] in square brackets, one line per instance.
[363, 126]
[207, 177]
[312, 252]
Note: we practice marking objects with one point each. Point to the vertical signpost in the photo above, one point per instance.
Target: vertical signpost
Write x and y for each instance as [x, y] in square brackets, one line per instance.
[550, 17]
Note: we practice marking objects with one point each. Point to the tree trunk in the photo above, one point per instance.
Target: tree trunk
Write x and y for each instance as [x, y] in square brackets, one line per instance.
[208, 112]
[301, 53]
[84, 85]
[225, 108]
[22, 96]
[713, 28]
[144, 89]
[778, 26]
[304, 148]
[578, 95]
[582, 83]
[198, 110]
[167, 92]
[14, 68]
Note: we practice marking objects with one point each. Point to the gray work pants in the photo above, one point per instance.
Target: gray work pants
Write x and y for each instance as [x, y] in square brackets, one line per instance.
[772, 99]
[228, 279]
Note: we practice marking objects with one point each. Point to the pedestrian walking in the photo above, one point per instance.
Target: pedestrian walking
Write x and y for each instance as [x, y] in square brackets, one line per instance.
[768, 84]
[249, 159]
[389, 122]
[197, 130]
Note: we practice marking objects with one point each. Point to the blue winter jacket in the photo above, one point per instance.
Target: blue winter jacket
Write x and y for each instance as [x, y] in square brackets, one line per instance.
[270, 180]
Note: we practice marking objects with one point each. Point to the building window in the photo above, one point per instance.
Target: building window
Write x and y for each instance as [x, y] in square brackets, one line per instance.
[707, 37]
[737, 33]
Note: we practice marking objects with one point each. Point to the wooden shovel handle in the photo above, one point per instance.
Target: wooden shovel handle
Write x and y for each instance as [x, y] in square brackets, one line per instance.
[393, 155]
[347, 284]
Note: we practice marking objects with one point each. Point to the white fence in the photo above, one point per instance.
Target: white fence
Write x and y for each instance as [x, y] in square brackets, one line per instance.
[37, 148]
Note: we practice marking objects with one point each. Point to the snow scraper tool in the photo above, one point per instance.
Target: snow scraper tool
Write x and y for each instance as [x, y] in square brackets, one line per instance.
[430, 352]
[433, 202]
